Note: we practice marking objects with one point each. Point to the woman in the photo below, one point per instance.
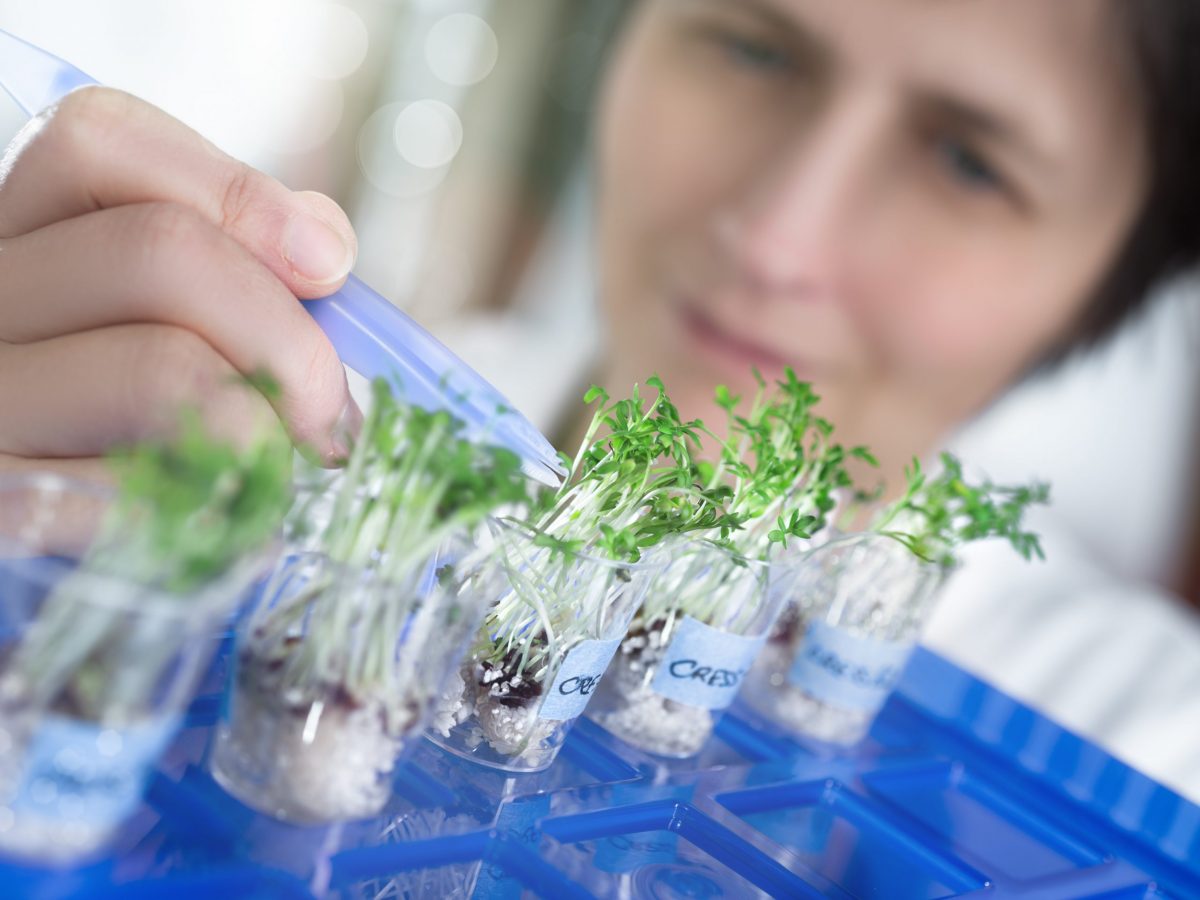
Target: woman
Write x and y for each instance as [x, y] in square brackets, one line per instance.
[916, 204]
[912, 203]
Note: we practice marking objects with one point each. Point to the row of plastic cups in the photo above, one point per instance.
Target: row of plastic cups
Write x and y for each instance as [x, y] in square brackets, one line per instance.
[314, 725]
[336, 671]
[816, 640]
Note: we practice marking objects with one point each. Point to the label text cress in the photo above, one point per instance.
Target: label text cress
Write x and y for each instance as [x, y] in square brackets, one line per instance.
[691, 669]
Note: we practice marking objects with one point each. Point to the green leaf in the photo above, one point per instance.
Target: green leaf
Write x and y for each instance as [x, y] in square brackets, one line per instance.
[937, 514]
[865, 455]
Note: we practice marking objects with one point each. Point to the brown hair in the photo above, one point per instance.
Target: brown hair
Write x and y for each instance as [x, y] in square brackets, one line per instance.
[1163, 40]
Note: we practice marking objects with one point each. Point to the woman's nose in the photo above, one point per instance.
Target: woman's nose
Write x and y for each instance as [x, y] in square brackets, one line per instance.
[788, 225]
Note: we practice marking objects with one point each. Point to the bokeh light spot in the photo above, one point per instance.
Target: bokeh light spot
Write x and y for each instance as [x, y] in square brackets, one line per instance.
[428, 134]
[461, 49]
[344, 42]
[380, 160]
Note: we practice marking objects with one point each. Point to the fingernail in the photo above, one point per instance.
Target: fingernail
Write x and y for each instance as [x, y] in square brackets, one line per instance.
[315, 251]
[345, 432]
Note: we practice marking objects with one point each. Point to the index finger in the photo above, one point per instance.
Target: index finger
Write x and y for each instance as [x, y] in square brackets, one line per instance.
[102, 148]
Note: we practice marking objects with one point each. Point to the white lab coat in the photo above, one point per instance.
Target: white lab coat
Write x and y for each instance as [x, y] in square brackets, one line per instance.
[1090, 637]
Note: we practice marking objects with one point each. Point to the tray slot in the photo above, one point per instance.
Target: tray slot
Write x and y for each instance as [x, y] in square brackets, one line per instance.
[1008, 836]
[675, 821]
[854, 842]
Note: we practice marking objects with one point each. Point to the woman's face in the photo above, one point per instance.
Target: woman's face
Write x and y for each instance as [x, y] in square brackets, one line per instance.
[907, 201]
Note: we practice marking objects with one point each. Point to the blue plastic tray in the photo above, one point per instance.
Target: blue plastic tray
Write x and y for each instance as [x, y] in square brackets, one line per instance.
[959, 791]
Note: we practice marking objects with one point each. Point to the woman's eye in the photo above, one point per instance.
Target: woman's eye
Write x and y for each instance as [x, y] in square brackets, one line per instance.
[754, 53]
[966, 166]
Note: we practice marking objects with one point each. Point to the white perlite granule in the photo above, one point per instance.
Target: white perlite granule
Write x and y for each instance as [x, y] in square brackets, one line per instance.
[453, 705]
[335, 763]
[516, 730]
[635, 663]
[769, 692]
[644, 718]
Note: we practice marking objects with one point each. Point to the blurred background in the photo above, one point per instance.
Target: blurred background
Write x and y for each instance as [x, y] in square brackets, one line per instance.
[455, 134]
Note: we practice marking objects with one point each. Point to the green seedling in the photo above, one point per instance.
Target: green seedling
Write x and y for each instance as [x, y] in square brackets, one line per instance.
[938, 514]
[187, 511]
[412, 483]
[781, 474]
[632, 484]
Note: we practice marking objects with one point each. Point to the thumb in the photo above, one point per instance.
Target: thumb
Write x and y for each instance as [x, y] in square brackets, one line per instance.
[317, 246]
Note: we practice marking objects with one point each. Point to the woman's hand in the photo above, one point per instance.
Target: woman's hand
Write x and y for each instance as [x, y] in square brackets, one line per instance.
[141, 271]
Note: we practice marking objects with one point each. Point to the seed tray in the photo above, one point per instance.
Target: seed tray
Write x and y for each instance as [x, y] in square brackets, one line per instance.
[958, 791]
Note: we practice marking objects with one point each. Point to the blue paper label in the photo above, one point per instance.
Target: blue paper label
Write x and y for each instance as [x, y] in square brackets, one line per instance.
[705, 666]
[80, 772]
[848, 670]
[577, 679]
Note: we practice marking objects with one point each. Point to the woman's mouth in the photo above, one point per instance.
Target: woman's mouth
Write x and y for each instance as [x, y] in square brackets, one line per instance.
[727, 349]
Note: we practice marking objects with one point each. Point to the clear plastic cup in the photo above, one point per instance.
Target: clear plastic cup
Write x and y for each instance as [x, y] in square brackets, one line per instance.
[521, 691]
[687, 654]
[95, 671]
[858, 606]
[337, 671]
